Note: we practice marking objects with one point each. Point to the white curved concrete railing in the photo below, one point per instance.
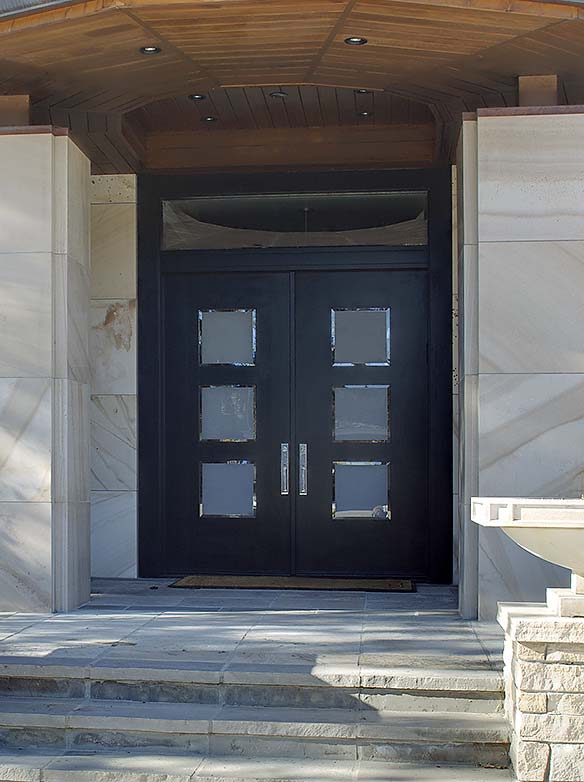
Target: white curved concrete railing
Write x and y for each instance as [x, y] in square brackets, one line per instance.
[550, 529]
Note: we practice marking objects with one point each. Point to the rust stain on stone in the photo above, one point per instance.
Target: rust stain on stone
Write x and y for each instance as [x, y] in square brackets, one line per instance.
[117, 324]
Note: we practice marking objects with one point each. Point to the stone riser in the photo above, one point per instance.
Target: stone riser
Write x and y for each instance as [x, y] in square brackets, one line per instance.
[226, 745]
[255, 695]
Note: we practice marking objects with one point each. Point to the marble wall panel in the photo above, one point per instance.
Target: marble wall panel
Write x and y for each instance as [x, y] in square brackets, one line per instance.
[531, 177]
[467, 165]
[530, 305]
[26, 192]
[113, 346]
[113, 251]
[78, 177]
[71, 533]
[71, 441]
[25, 556]
[113, 443]
[113, 189]
[508, 573]
[25, 314]
[531, 428]
[25, 439]
[113, 534]
[77, 322]
[469, 353]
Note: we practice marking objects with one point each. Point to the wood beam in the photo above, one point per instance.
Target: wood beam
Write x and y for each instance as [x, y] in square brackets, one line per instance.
[537, 90]
[375, 146]
[14, 110]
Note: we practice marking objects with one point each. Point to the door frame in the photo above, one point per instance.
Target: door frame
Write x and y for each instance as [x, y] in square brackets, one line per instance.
[436, 258]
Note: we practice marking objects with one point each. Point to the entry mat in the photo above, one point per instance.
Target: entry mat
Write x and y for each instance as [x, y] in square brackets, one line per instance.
[296, 582]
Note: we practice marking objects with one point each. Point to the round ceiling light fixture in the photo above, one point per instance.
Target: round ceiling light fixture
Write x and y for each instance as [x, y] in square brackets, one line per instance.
[209, 118]
[278, 94]
[150, 50]
[355, 40]
[197, 96]
[364, 114]
[362, 92]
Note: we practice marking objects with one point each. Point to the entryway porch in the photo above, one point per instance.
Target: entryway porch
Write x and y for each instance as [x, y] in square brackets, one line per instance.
[146, 682]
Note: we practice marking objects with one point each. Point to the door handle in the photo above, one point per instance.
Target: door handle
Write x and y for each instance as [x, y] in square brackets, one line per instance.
[303, 469]
[284, 468]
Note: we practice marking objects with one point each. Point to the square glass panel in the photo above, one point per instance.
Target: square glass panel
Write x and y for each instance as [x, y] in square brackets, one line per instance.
[360, 336]
[361, 413]
[228, 489]
[361, 490]
[227, 337]
[228, 413]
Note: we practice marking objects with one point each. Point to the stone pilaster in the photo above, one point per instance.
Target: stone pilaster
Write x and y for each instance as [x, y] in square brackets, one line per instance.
[544, 692]
[44, 371]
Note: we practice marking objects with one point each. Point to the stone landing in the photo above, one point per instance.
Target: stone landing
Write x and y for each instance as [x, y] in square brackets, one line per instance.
[148, 683]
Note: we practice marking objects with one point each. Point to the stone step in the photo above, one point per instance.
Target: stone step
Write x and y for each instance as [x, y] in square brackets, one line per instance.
[477, 739]
[324, 686]
[140, 766]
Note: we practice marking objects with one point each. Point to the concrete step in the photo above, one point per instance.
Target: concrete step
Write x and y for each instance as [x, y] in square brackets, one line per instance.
[141, 766]
[323, 686]
[445, 737]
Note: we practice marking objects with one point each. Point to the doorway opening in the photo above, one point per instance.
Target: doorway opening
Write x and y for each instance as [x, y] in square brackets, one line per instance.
[295, 415]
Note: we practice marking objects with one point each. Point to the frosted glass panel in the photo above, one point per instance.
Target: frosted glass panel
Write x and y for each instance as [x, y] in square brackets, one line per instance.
[228, 413]
[361, 413]
[360, 337]
[361, 490]
[227, 337]
[228, 489]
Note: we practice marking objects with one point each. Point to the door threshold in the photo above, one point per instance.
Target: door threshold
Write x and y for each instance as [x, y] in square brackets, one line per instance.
[296, 582]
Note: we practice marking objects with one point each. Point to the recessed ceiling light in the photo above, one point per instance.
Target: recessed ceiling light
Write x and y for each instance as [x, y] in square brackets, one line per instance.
[209, 118]
[150, 50]
[278, 94]
[364, 114]
[197, 96]
[355, 40]
[362, 92]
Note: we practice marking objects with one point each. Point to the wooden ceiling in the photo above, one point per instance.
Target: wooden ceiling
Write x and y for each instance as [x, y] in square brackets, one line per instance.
[424, 63]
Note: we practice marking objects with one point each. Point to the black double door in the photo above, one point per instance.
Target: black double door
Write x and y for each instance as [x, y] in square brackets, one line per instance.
[295, 423]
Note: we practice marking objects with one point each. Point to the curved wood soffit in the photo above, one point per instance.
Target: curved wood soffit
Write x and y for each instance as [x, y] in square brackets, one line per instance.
[424, 63]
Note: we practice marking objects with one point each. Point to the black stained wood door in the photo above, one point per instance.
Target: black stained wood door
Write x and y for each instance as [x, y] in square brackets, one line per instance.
[296, 423]
[226, 412]
[362, 422]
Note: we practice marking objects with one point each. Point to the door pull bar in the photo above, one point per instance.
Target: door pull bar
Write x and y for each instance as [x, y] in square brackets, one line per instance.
[284, 468]
[303, 469]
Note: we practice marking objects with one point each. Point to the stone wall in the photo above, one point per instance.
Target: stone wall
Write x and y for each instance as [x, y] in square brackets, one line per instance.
[544, 694]
[44, 371]
[113, 387]
[522, 388]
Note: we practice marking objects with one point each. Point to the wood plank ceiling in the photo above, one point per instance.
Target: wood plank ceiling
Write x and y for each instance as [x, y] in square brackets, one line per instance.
[425, 61]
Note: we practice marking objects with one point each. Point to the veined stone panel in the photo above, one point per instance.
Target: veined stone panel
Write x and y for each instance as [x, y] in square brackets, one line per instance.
[113, 251]
[531, 428]
[113, 189]
[26, 193]
[25, 439]
[26, 329]
[531, 177]
[113, 534]
[25, 556]
[113, 442]
[531, 307]
[113, 346]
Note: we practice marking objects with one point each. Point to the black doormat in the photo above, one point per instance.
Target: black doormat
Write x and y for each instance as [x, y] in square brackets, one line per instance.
[296, 582]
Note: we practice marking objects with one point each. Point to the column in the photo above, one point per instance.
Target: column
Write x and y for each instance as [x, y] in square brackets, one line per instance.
[44, 371]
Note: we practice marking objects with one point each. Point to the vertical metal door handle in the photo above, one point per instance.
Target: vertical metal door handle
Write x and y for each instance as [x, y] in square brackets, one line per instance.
[284, 468]
[303, 469]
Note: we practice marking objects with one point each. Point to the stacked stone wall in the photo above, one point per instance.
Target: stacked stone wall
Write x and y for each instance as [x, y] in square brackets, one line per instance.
[544, 685]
